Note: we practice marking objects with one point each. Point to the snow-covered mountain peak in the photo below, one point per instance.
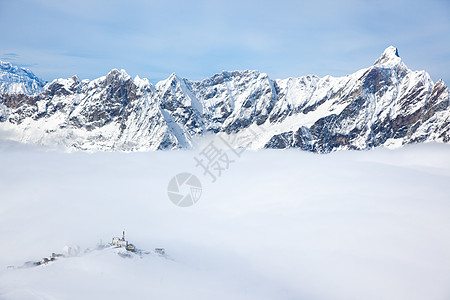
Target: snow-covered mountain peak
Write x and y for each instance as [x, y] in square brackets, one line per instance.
[226, 76]
[173, 76]
[62, 86]
[75, 78]
[165, 84]
[115, 74]
[389, 57]
[8, 67]
[18, 80]
[142, 83]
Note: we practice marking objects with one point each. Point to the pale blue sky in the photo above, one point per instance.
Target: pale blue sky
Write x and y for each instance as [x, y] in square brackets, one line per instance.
[196, 39]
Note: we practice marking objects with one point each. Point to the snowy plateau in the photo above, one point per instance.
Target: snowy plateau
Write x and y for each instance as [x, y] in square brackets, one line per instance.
[386, 104]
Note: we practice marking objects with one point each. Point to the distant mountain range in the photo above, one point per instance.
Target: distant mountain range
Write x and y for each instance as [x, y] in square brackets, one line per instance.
[16, 80]
[384, 104]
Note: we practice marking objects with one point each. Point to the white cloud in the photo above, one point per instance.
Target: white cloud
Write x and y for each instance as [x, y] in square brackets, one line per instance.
[276, 225]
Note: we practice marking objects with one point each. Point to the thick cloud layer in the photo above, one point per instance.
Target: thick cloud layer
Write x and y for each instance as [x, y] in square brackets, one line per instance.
[275, 225]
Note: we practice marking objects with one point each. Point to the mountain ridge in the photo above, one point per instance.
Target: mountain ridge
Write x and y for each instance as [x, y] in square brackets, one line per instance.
[18, 80]
[384, 104]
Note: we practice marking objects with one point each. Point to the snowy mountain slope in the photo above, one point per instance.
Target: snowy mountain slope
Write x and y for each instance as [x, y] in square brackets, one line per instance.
[16, 80]
[385, 104]
[371, 107]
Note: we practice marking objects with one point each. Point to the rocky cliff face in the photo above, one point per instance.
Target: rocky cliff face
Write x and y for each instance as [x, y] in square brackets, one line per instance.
[385, 104]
